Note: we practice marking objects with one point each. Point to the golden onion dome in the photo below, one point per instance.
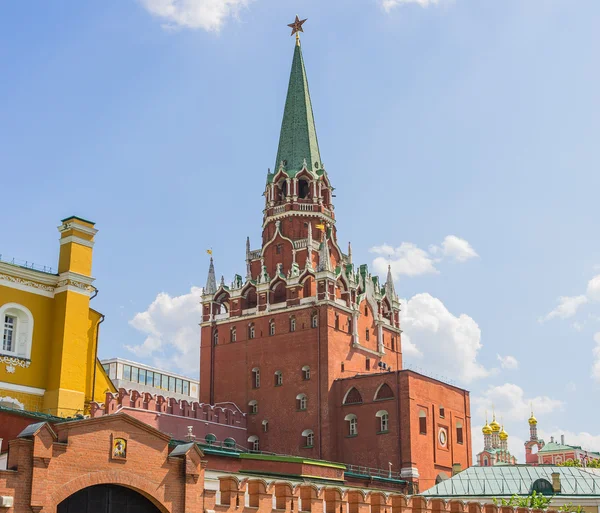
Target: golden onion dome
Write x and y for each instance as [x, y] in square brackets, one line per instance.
[495, 426]
[532, 420]
[486, 430]
[503, 434]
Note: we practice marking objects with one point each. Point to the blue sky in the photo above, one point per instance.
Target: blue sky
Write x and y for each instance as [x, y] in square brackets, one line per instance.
[461, 137]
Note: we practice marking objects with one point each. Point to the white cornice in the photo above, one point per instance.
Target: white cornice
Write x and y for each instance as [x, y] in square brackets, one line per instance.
[26, 286]
[21, 388]
[76, 226]
[297, 213]
[77, 240]
[71, 275]
[28, 274]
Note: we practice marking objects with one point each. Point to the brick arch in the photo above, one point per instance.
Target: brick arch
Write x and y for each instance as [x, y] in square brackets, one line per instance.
[113, 477]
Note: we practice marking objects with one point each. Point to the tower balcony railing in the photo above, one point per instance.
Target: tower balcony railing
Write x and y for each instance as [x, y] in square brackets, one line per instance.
[221, 316]
[305, 207]
[254, 254]
[279, 209]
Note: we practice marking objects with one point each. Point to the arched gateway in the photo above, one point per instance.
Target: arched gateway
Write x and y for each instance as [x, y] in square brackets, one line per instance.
[107, 498]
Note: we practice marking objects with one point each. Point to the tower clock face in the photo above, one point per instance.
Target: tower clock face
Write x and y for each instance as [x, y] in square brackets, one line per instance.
[443, 437]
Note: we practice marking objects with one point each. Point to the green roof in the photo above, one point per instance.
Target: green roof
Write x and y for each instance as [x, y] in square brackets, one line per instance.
[298, 137]
[500, 481]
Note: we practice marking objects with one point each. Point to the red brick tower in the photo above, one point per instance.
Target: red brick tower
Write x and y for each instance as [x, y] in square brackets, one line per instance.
[308, 344]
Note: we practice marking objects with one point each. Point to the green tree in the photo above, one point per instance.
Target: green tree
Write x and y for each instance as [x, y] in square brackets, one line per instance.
[577, 463]
[533, 501]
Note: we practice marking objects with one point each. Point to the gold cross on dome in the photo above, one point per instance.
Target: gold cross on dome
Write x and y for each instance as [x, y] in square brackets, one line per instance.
[297, 27]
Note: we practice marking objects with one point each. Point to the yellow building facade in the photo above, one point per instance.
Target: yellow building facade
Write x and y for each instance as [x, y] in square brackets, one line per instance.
[49, 339]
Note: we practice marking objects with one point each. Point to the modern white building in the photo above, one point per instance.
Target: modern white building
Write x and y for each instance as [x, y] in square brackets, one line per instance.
[144, 378]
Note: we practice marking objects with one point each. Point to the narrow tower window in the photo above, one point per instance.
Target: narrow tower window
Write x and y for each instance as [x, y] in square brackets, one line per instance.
[292, 324]
[256, 377]
[315, 321]
[271, 327]
[233, 334]
[422, 422]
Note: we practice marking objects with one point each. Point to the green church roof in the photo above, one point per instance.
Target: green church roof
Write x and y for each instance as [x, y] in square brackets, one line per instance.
[298, 137]
[507, 480]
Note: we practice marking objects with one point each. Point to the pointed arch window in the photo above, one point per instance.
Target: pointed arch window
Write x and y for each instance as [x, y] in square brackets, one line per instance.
[251, 331]
[353, 397]
[233, 334]
[314, 321]
[292, 323]
[216, 338]
[352, 424]
[272, 327]
[384, 392]
[384, 420]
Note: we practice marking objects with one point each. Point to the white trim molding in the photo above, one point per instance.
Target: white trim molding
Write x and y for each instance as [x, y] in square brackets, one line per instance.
[77, 240]
[21, 388]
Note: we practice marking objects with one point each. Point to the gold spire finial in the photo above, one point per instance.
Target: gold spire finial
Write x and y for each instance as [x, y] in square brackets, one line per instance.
[297, 28]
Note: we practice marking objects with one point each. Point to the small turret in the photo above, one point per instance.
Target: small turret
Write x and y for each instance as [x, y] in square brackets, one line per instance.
[211, 281]
[324, 258]
[390, 291]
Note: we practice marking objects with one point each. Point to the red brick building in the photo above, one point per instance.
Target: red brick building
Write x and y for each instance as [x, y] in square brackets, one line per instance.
[117, 464]
[309, 345]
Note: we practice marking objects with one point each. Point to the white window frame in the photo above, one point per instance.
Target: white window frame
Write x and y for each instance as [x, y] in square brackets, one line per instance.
[253, 407]
[306, 373]
[352, 424]
[302, 402]
[384, 421]
[278, 378]
[293, 324]
[272, 328]
[315, 321]
[309, 438]
[233, 334]
[22, 338]
[256, 377]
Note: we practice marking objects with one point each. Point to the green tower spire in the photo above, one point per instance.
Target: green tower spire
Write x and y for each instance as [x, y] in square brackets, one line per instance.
[298, 137]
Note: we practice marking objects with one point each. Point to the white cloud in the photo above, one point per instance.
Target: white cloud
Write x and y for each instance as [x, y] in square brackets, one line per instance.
[567, 307]
[596, 355]
[172, 332]
[388, 5]
[509, 401]
[410, 260]
[407, 259]
[593, 288]
[448, 344]
[195, 14]
[508, 362]
[455, 247]
[585, 440]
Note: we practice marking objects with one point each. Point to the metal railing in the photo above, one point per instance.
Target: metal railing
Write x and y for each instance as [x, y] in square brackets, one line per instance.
[26, 264]
[373, 472]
